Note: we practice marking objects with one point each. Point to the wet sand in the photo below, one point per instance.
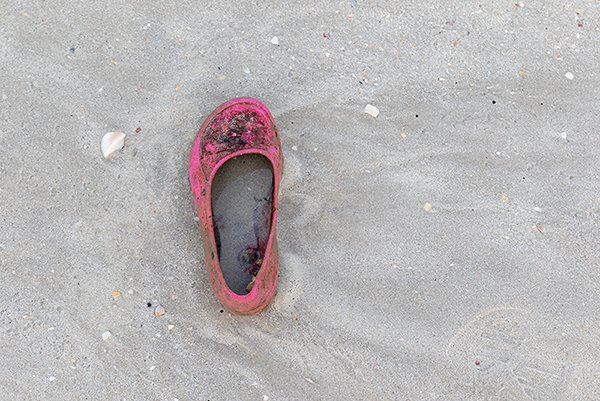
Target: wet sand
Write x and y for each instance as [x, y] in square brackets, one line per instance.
[241, 198]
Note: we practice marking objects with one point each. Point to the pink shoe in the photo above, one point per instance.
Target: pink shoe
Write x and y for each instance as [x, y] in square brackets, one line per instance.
[238, 134]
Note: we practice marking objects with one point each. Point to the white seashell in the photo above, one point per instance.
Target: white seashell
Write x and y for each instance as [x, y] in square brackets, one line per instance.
[112, 142]
[371, 110]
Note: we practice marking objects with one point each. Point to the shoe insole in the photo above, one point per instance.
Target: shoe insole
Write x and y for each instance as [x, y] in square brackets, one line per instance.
[241, 196]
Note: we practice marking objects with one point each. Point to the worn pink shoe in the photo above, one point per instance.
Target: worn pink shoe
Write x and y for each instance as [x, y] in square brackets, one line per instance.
[235, 170]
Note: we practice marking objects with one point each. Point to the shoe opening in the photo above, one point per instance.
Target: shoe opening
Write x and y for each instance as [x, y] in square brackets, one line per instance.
[242, 204]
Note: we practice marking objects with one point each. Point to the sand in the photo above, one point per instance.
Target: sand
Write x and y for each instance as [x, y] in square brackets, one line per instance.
[445, 250]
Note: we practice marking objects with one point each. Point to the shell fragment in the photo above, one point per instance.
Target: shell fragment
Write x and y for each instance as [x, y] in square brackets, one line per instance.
[371, 110]
[112, 142]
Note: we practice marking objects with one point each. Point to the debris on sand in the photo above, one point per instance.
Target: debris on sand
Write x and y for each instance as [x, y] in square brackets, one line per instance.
[539, 227]
[371, 110]
[159, 311]
[427, 207]
[112, 142]
[275, 40]
[569, 76]
[251, 284]
[504, 198]
[116, 294]
[106, 335]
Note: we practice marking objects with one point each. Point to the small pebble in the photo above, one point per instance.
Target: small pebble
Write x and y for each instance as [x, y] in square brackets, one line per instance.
[504, 198]
[106, 335]
[371, 110]
[159, 311]
[170, 327]
[152, 367]
[563, 135]
[246, 70]
[427, 207]
[295, 148]
[275, 40]
[569, 75]
[51, 378]
[116, 294]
